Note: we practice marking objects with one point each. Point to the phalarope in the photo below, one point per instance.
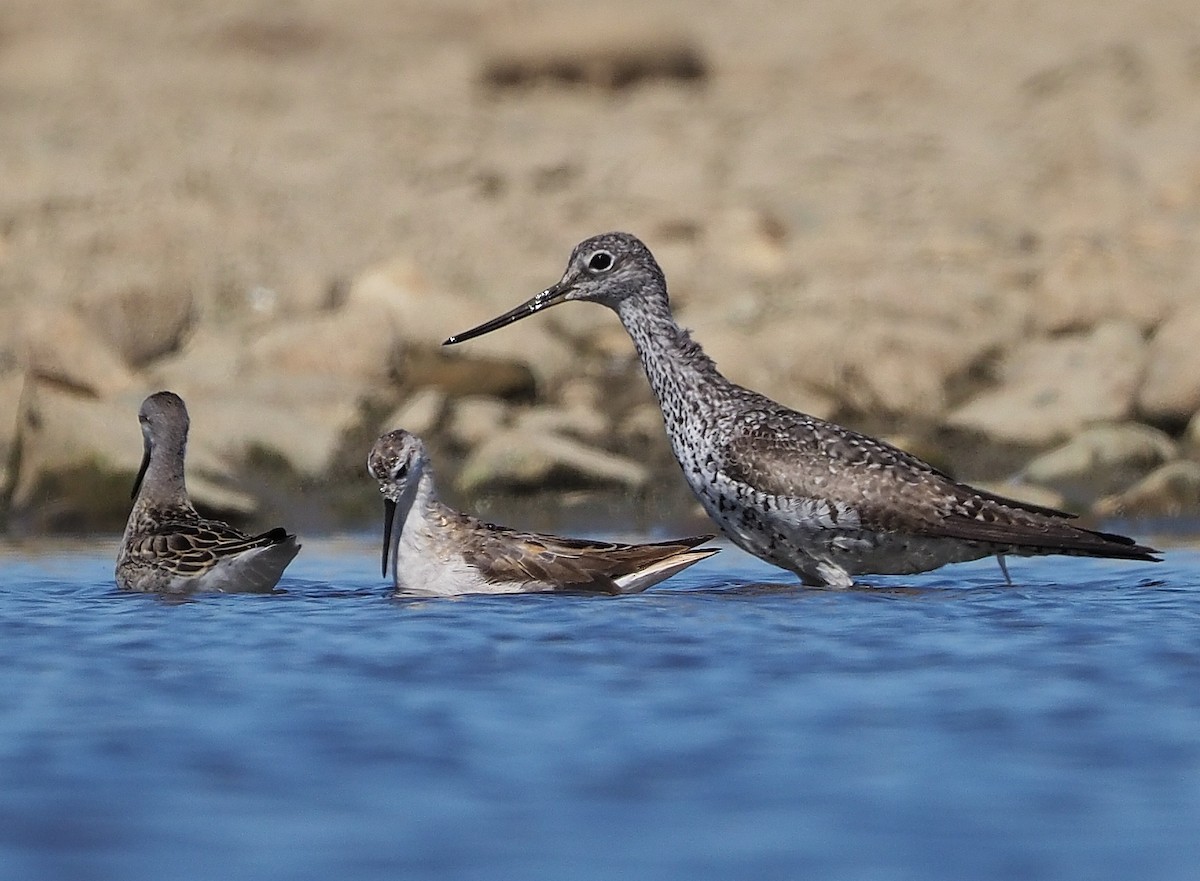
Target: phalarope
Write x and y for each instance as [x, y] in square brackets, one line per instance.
[167, 545]
[436, 550]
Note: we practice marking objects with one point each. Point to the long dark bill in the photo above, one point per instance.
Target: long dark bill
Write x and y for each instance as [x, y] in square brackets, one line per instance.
[141, 475]
[548, 297]
[389, 516]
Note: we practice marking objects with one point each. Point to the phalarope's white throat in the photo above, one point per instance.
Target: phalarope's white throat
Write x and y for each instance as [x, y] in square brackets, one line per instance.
[436, 550]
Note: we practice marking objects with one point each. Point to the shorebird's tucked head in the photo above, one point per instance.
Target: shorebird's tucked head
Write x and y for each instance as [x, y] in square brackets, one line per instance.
[397, 461]
[606, 269]
[164, 421]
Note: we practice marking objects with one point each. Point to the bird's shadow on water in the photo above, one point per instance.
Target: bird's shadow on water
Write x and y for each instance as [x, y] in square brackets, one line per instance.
[293, 588]
[936, 587]
[324, 590]
[939, 588]
[738, 582]
[796, 588]
[975, 579]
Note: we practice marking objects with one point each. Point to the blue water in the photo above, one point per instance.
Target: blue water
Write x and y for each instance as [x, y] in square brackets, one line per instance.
[718, 727]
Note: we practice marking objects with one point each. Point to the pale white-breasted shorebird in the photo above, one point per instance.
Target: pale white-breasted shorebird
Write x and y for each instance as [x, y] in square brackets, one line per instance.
[167, 546]
[438, 551]
[797, 491]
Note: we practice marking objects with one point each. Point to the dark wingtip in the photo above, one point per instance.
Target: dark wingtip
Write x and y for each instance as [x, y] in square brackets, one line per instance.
[1128, 548]
[692, 541]
[278, 535]
[1149, 555]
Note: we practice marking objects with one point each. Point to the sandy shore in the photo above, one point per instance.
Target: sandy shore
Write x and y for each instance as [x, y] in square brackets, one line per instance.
[971, 228]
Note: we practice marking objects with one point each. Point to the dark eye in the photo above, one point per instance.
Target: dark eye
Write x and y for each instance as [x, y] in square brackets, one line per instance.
[399, 471]
[601, 261]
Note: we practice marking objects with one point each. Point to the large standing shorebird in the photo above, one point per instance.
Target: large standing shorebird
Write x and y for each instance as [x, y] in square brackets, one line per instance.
[168, 546]
[799, 492]
[437, 551]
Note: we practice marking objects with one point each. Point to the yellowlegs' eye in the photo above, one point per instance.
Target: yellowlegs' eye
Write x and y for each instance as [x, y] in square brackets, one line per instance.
[601, 261]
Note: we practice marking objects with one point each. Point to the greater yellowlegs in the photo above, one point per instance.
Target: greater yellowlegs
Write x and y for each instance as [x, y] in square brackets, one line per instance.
[167, 545]
[436, 550]
[802, 493]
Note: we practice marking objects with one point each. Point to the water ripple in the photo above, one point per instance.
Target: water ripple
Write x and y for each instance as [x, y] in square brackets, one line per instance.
[727, 723]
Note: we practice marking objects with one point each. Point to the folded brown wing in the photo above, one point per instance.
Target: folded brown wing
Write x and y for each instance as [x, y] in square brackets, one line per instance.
[508, 555]
[795, 457]
[188, 547]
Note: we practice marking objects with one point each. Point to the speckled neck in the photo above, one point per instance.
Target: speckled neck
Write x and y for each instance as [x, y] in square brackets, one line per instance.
[684, 379]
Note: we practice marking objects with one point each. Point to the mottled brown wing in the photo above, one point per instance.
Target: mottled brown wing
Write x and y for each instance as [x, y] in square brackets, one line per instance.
[797, 457]
[189, 547]
[792, 455]
[508, 555]
[993, 523]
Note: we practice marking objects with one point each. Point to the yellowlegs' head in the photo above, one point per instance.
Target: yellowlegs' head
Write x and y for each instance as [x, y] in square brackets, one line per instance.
[606, 269]
[164, 421]
[396, 461]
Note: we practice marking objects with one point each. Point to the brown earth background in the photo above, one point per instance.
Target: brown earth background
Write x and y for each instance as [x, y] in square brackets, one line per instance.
[969, 227]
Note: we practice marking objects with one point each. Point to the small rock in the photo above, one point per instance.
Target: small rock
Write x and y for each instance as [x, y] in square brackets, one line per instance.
[608, 52]
[1101, 460]
[752, 239]
[1170, 388]
[12, 386]
[578, 422]
[1024, 492]
[214, 499]
[1052, 388]
[211, 361]
[299, 410]
[421, 311]
[420, 414]
[899, 366]
[504, 364]
[1192, 435]
[642, 424]
[79, 456]
[357, 341]
[475, 420]
[523, 461]
[580, 392]
[1168, 491]
[923, 448]
[457, 376]
[589, 332]
[1088, 281]
[297, 423]
[12, 343]
[59, 347]
[140, 322]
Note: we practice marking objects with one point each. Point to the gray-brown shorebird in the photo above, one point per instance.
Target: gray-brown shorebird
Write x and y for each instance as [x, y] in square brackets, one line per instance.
[438, 551]
[167, 545]
[797, 491]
